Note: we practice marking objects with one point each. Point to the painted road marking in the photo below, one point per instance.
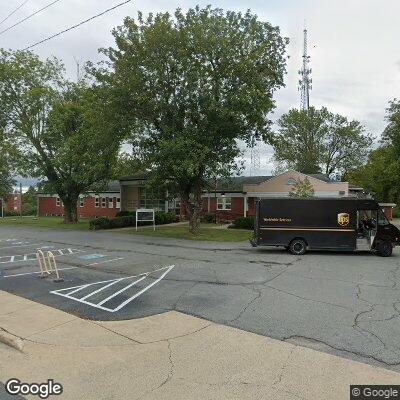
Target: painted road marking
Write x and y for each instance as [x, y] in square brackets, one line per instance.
[21, 244]
[32, 256]
[104, 261]
[32, 273]
[92, 256]
[67, 292]
[10, 240]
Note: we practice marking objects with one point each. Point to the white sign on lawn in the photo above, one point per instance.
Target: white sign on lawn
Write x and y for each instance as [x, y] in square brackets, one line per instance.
[145, 214]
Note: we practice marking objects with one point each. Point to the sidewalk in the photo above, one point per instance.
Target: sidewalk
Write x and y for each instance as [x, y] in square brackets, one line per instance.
[167, 356]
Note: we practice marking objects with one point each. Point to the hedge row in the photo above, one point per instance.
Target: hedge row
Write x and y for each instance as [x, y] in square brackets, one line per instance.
[243, 223]
[127, 218]
[111, 223]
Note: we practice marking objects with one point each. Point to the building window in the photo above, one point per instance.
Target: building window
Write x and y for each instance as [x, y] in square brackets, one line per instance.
[58, 202]
[110, 202]
[103, 202]
[342, 192]
[96, 201]
[15, 208]
[291, 181]
[81, 202]
[15, 198]
[224, 203]
[151, 199]
[118, 202]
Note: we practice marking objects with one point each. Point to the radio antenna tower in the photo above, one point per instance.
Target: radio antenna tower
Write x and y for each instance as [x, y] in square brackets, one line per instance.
[255, 159]
[305, 80]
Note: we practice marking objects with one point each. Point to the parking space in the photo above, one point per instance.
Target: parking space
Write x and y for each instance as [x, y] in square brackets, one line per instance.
[342, 303]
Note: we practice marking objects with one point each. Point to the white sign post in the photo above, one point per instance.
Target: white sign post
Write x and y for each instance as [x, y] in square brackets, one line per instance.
[144, 214]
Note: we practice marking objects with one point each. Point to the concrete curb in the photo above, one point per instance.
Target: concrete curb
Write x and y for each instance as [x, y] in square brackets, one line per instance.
[11, 340]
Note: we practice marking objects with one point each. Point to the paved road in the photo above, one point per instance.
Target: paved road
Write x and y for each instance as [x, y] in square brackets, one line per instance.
[341, 303]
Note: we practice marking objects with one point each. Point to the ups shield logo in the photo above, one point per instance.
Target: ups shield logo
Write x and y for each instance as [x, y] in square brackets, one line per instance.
[343, 219]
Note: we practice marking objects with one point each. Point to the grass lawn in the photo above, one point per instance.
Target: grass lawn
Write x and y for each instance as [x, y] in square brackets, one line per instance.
[208, 232]
[44, 222]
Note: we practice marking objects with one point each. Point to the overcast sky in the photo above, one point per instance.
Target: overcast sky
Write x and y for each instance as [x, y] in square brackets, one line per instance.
[354, 46]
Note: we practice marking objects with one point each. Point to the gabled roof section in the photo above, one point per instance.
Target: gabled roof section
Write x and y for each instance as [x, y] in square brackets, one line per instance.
[236, 183]
[139, 176]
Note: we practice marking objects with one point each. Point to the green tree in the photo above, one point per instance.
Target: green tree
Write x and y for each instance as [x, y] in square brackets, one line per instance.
[391, 134]
[302, 188]
[379, 175]
[191, 86]
[29, 201]
[62, 130]
[314, 140]
[6, 168]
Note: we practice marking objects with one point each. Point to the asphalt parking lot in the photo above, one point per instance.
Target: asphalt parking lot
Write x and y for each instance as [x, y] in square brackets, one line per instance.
[340, 303]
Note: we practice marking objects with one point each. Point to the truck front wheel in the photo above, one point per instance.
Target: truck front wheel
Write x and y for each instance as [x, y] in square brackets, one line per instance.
[298, 247]
[384, 249]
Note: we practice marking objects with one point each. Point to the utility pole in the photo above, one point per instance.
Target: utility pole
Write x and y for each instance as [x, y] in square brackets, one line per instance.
[20, 199]
[305, 77]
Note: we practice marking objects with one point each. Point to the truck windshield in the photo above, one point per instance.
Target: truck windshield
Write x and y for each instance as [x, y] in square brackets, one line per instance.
[382, 218]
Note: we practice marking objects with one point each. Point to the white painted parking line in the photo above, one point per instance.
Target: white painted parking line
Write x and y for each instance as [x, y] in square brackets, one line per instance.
[32, 256]
[33, 273]
[67, 292]
[104, 261]
[25, 244]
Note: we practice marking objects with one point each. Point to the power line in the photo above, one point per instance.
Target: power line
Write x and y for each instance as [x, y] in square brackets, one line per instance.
[13, 12]
[29, 16]
[77, 25]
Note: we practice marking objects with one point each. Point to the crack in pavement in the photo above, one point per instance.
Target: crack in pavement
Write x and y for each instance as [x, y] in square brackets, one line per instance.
[292, 338]
[259, 294]
[284, 366]
[308, 299]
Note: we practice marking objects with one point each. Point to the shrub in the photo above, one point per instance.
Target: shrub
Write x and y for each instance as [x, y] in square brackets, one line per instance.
[125, 214]
[209, 217]
[162, 218]
[243, 223]
[110, 223]
[11, 214]
[124, 220]
[396, 212]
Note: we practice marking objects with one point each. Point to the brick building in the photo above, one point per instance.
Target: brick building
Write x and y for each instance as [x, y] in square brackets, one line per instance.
[230, 198]
[13, 203]
[90, 205]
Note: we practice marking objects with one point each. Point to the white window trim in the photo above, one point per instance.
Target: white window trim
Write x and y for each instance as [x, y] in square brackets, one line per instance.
[58, 202]
[103, 202]
[96, 201]
[222, 201]
[81, 201]
[118, 202]
[110, 202]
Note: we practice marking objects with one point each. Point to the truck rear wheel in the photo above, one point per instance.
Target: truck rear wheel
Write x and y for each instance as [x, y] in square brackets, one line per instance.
[384, 249]
[298, 247]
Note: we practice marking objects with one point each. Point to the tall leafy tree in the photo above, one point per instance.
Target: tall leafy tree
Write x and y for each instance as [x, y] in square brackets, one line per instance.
[7, 151]
[391, 134]
[62, 130]
[379, 175]
[320, 141]
[302, 188]
[191, 85]
[6, 178]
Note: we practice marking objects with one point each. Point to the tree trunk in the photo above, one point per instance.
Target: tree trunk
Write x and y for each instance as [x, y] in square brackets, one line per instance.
[70, 209]
[194, 205]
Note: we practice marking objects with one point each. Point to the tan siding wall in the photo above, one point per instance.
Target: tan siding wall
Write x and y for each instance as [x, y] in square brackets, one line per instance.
[278, 184]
